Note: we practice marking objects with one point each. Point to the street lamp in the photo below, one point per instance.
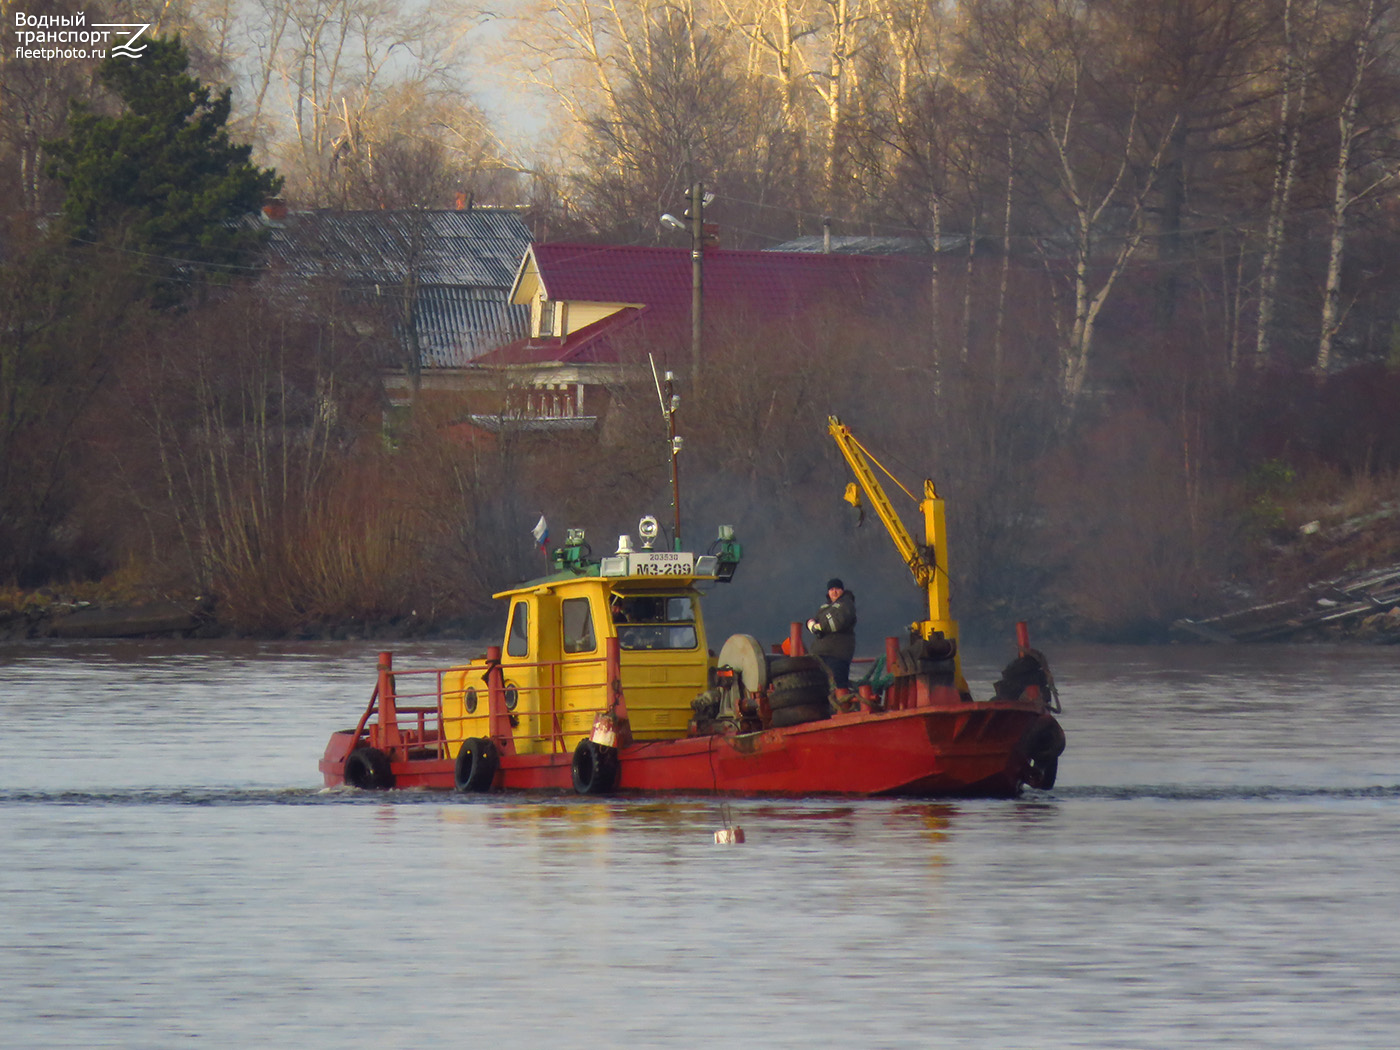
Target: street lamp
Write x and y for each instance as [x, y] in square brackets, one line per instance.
[699, 237]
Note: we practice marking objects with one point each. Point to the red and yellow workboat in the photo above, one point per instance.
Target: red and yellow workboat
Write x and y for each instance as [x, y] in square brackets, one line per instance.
[605, 682]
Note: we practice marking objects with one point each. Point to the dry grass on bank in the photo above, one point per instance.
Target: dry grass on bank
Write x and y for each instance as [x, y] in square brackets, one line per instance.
[1330, 524]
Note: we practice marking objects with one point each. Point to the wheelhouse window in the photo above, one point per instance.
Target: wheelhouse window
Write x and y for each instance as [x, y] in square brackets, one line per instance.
[654, 621]
[577, 617]
[518, 638]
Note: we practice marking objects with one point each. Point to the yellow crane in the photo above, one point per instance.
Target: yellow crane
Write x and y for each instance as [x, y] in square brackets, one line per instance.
[927, 561]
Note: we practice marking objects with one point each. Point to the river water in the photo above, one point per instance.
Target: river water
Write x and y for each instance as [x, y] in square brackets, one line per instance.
[1218, 867]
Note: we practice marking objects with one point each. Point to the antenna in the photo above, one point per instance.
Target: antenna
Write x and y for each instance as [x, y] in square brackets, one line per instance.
[660, 398]
[670, 401]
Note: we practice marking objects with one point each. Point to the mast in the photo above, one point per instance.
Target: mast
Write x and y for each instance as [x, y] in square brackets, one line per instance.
[670, 402]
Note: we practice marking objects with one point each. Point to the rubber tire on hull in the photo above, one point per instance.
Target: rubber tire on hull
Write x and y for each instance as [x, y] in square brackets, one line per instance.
[367, 768]
[800, 683]
[807, 685]
[1042, 744]
[807, 690]
[781, 700]
[594, 768]
[1043, 773]
[477, 763]
[783, 665]
[796, 715]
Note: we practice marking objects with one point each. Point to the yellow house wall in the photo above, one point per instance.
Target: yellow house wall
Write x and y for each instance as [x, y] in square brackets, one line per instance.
[576, 314]
[581, 315]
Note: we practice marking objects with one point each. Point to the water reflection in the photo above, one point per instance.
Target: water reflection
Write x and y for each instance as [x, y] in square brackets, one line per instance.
[1214, 870]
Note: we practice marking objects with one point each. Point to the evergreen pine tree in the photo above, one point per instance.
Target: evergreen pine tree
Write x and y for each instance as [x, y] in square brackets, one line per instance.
[161, 177]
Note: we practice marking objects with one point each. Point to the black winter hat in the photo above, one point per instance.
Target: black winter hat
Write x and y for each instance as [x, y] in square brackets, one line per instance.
[835, 583]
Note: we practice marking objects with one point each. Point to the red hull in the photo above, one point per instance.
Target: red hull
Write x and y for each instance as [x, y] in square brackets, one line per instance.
[965, 749]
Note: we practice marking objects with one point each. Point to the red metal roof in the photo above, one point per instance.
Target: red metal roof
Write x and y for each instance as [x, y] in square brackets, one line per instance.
[599, 343]
[766, 286]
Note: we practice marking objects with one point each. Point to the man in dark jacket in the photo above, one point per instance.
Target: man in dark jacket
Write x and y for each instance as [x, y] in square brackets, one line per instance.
[834, 631]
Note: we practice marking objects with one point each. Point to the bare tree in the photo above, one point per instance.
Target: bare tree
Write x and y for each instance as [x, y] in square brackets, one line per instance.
[65, 328]
[1101, 134]
[325, 67]
[1299, 26]
[774, 32]
[802, 58]
[415, 148]
[684, 118]
[1358, 174]
[813, 49]
[1200, 60]
[576, 50]
[34, 99]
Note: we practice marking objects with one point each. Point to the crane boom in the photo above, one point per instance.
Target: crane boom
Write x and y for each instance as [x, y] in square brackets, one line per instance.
[917, 560]
[927, 562]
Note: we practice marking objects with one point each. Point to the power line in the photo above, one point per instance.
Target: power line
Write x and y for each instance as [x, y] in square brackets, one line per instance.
[174, 260]
[1033, 238]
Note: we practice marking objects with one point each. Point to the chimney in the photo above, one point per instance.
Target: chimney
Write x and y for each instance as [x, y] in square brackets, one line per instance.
[275, 209]
[462, 201]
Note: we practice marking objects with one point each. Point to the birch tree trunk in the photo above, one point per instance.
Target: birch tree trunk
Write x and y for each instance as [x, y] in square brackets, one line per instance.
[935, 339]
[1292, 105]
[1342, 197]
[834, 93]
[773, 29]
[1088, 212]
[1008, 203]
[968, 279]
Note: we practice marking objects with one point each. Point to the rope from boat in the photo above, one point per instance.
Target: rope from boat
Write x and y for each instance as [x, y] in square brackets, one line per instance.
[1052, 704]
[491, 665]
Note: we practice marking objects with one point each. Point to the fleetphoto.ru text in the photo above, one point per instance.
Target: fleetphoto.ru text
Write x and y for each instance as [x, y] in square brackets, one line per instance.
[51, 36]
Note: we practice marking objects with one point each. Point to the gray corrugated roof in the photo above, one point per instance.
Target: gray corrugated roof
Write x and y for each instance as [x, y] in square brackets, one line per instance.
[848, 244]
[457, 324]
[463, 264]
[480, 248]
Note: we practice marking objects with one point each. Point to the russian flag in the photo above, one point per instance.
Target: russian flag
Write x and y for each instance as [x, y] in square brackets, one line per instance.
[541, 533]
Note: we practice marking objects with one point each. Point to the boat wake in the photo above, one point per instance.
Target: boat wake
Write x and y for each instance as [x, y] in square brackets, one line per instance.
[1219, 792]
[226, 797]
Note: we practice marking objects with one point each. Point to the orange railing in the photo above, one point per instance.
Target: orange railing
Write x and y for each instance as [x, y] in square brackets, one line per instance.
[410, 723]
[382, 723]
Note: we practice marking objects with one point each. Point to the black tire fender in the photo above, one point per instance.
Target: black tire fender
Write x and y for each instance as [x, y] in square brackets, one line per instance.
[809, 678]
[595, 768]
[800, 713]
[800, 689]
[368, 768]
[1042, 744]
[781, 700]
[1043, 772]
[476, 766]
[781, 665]
[1043, 740]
